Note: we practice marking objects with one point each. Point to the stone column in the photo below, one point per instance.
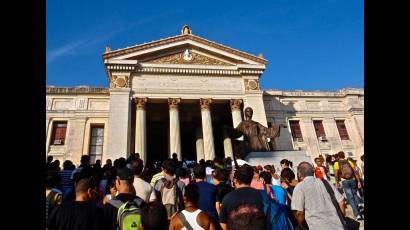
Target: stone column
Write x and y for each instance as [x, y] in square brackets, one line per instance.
[141, 128]
[209, 149]
[227, 145]
[236, 114]
[199, 144]
[119, 123]
[174, 130]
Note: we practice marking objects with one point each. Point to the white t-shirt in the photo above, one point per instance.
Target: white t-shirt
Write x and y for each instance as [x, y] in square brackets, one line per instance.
[241, 162]
[144, 190]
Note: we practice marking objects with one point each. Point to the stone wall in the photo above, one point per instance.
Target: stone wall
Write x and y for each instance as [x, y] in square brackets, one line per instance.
[306, 106]
[81, 107]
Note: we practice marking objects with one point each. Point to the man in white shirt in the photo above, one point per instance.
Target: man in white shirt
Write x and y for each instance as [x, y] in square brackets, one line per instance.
[142, 188]
[312, 202]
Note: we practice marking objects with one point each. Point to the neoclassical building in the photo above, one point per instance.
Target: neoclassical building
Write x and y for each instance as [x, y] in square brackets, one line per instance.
[176, 94]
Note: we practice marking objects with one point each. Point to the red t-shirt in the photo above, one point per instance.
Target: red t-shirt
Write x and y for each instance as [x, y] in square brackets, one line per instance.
[318, 172]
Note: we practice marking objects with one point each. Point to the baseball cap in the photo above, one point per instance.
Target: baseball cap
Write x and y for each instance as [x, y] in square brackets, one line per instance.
[124, 174]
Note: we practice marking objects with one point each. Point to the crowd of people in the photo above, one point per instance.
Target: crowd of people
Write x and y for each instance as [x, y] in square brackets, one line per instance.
[218, 194]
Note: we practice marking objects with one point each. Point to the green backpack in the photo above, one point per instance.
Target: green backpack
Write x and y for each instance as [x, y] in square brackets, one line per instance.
[129, 214]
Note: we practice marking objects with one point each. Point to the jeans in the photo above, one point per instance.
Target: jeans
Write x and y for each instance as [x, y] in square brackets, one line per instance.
[350, 189]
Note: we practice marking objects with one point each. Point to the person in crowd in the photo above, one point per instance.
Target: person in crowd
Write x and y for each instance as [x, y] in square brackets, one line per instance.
[207, 192]
[108, 165]
[329, 166]
[219, 179]
[54, 197]
[154, 216]
[183, 176]
[178, 164]
[275, 177]
[349, 180]
[256, 183]
[209, 168]
[142, 188]
[362, 164]
[123, 183]
[312, 202]
[358, 172]
[82, 171]
[169, 189]
[80, 214]
[157, 177]
[288, 182]
[56, 166]
[111, 193]
[218, 163]
[67, 184]
[227, 161]
[320, 170]
[274, 191]
[191, 217]
[243, 194]
[49, 163]
[246, 216]
[285, 163]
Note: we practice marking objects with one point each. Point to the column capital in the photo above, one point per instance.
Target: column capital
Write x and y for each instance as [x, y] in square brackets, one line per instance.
[236, 104]
[140, 102]
[205, 103]
[173, 103]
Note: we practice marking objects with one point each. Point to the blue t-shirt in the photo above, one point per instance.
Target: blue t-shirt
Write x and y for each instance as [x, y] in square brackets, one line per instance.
[207, 198]
[279, 193]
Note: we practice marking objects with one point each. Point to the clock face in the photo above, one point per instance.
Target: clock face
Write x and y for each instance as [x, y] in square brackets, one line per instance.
[187, 55]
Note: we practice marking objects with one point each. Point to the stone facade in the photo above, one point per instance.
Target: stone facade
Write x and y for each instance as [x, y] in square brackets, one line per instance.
[188, 71]
[307, 106]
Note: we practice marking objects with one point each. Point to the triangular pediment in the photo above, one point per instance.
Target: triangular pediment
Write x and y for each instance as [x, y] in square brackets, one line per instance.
[196, 50]
[185, 55]
[188, 57]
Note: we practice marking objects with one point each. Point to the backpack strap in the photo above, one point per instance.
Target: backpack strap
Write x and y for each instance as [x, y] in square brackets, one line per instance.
[138, 201]
[335, 203]
[116, 203]
[184, 221]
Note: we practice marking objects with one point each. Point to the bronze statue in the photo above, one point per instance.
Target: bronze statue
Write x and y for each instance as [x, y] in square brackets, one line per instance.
[255, 134]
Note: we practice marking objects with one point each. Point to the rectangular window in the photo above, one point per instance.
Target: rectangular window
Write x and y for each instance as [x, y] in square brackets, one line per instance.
[319, 129]
[58, 133]
[96, 142]
[341, 127]
[295, 130]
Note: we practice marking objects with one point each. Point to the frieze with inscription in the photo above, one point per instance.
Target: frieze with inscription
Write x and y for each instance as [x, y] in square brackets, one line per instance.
[157, 84]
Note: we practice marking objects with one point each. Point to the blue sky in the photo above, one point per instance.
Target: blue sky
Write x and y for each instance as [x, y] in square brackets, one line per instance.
[309, 44]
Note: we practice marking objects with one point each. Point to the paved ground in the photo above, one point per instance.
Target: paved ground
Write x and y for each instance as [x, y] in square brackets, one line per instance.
[349, 213]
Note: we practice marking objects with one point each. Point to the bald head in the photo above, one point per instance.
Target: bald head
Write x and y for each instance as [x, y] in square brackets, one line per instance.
[305, 169]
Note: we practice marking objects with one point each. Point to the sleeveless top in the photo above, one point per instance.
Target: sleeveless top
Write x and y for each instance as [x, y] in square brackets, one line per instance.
[191, 218]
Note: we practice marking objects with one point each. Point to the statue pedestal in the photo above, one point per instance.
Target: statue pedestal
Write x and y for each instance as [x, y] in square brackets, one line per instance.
[265, 158]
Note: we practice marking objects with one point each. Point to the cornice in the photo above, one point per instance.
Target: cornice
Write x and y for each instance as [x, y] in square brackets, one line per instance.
[76, 90]
[178, 38]
[300, 93]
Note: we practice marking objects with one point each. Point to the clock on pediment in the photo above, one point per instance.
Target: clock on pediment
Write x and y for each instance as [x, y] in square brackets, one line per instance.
[187, 55]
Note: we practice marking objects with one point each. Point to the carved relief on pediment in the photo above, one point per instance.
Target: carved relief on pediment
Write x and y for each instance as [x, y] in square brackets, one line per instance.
[188, 57]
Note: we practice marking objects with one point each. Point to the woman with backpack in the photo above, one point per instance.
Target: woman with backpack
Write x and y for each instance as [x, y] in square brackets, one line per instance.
[274, 199]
